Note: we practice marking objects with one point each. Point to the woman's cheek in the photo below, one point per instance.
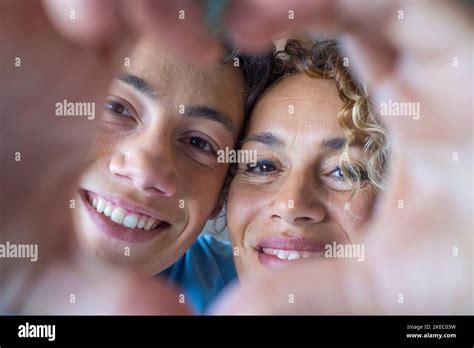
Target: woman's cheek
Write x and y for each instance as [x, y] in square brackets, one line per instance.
[364, 202]
[234, 215]
[239, 206]
[354, 218]
[241, 212]
[247, 203]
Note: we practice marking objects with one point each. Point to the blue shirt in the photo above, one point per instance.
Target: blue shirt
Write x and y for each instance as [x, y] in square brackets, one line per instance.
[203, 271]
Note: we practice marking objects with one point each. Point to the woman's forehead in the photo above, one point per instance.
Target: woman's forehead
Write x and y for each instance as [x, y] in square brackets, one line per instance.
[303, 86]
[299, 100]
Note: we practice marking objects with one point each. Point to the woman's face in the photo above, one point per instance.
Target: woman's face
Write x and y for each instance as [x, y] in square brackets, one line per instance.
[153, 179]
[292, 203]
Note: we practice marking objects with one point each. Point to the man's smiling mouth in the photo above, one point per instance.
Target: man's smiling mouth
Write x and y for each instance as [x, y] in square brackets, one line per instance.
[122, 216]
[123, 219]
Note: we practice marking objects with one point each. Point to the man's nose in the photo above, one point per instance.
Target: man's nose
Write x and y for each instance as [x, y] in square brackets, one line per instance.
[151, 172]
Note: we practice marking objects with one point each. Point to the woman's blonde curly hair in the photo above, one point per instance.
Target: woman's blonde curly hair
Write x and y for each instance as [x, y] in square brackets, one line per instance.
[322, 59]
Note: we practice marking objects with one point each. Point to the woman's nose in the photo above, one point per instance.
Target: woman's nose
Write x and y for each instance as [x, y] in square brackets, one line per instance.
[298, 202]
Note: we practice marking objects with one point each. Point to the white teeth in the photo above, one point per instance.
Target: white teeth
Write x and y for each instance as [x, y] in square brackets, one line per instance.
[130, 221]
[270, 251]
[282, 254]
[100, 205]
[287, 254]
[149, 223]
[108, 210]
[118, 215]
[141, 222]
[294, 255]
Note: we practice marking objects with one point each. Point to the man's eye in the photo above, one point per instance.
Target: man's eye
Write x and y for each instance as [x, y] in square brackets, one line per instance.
[201, 144]
[261, 167]
[118, 108]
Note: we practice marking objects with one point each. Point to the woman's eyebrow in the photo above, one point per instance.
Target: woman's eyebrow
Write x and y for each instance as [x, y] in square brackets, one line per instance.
[208, 113]
[333, 143]
[139, 84]
[266, 138]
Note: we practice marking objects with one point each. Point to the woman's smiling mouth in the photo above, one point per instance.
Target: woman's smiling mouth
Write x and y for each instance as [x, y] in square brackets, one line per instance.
[276, 252]
[122, 220]
[289, 254]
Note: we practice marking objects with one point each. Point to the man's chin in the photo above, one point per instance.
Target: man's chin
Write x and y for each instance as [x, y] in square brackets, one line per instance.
[121, 257]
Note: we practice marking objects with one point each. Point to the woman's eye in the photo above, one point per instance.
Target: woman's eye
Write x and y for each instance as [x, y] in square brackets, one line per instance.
[353, 172]
[261, 167]
[201, 144]
[118, 108]
[337, 173]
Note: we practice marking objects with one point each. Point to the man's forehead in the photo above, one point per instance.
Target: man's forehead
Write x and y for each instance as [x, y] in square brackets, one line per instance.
[151, 59]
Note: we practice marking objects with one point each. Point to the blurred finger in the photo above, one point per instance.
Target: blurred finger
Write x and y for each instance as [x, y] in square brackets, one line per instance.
[89, 22]
[179, 24]
[252, 24]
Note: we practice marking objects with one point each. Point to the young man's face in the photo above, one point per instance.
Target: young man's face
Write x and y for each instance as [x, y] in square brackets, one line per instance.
[153, 179]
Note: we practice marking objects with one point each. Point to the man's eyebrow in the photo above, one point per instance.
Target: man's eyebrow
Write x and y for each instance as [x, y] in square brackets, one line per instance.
[333, 143]
[208, 113]
[265, 138]
[139, 84]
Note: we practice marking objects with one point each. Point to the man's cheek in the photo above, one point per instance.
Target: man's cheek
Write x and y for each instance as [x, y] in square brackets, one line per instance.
[102, 146]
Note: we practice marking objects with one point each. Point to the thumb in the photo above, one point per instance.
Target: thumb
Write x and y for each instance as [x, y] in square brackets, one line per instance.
[313, 287]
